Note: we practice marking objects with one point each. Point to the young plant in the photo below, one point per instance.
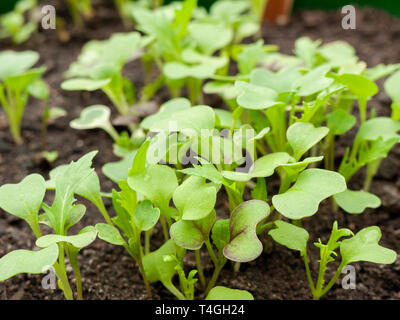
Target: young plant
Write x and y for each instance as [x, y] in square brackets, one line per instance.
[180, 49]
[100, 64]
[25, 199]
[40, 90]
[16, 76]
[363, 246]
[13, 24]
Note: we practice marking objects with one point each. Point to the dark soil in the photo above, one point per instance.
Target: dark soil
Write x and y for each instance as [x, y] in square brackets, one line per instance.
[108, 272]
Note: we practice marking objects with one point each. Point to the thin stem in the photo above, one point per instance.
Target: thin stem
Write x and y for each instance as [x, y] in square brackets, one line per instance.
[334, 279]
[62, 273]
[214, 277]
[75, 266]
[112, 132]
[372, 169]
[200, 268]
[212, 253]
[308, 273]
[104, 212]
[147, 238]
[165, 228]
[145, 280]
[62, 276]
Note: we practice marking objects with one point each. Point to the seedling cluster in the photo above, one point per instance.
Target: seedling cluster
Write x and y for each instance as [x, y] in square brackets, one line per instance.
[280, 120]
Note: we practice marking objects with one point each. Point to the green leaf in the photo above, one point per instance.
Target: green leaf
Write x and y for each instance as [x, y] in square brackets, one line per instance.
[151, 183]
[262, 167]
[355, 202]
[39, 89]
[359, 85]
[380, 127]
[84, 84]
[281, 81]
[224, 119]
[338, 53]
[206, 171]
[92, 117]
[76, 175]
[178, 70]
[192, 234]
[392, 85]
[260, 190]
[105, 58]
[249, 56]
[303, 198]
[77, 213]
[190, 121]
[303, 136]
[224, 293]
[313, 82]
[145, 216]
[117, 171]
[50, 156]
[306, 49]
[339, 122]
[25, 261]
[195, 198]
[244, 245]
[294, 168]
[80, 240]
[290, 236]
[167, 109]
[364, 247]
[220, 234]
[109, 234]
[88, 188]
[191, 56]
[14, 63]
[24, 199]
[156, 268]
[255, 97]
[200, 32]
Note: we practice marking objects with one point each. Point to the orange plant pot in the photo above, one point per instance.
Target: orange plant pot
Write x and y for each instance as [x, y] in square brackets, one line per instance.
[277, 11]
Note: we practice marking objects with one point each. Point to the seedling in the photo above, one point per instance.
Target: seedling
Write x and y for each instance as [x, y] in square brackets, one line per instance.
[100, 64]
[362, 246]
[25, 199]
[13, 24]
[16, 76]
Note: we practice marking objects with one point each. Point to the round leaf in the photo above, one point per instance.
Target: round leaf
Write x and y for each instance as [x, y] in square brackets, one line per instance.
[96, 116]
[25, 261]
[244, 245]
[223, 293]
[303, 198]
[355, 202]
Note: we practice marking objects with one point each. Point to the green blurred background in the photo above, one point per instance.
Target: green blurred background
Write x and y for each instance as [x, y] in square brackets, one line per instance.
[392, 6]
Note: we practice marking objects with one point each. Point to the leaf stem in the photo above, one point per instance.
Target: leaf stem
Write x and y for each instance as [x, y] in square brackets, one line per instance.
[200, 268]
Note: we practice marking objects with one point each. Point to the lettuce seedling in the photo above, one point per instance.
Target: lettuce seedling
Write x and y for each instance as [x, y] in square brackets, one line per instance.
[25, 199]
[362, 246]
[16, 76]
[100, 64]
[374, 140]
[40, 90]
[13, 24]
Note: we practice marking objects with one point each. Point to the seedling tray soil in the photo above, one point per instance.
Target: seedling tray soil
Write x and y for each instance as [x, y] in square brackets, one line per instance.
[108, 272]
